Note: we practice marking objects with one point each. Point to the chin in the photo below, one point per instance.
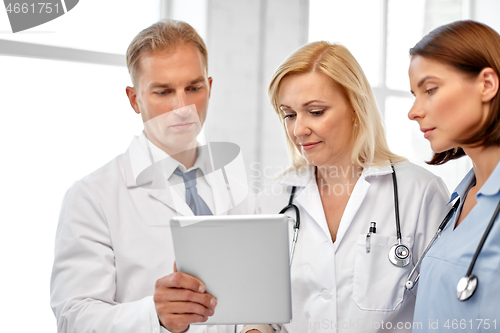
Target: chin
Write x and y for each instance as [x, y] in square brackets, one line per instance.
[313, 162]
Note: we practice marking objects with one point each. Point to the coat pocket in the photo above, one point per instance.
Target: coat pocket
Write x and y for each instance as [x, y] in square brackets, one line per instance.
[378, 284]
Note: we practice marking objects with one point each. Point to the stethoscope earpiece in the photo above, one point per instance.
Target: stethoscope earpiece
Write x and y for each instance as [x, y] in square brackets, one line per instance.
[466, 287]
[400, 255]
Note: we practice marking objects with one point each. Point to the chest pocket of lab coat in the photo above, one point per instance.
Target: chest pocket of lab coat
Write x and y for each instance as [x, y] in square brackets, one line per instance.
[378, 284]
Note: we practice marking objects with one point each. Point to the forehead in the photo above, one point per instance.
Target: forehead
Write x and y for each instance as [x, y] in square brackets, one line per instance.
[422, 66]
[309, 85]
[184, 60]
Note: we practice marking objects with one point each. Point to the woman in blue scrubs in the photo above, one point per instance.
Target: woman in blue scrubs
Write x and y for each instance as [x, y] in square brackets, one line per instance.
[454, 76]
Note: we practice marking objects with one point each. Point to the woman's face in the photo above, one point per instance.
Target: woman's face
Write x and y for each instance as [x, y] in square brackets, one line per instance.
[448, 104]
[318, 117]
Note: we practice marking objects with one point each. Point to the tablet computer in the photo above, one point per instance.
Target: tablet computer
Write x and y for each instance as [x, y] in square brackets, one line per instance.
[243, 261]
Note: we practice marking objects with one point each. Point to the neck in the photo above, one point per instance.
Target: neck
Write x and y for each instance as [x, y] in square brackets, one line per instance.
[332, 175]
[484, 161]
[186, 155]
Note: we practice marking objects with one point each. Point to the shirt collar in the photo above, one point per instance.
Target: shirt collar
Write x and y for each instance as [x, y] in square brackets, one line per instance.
[492, 185]
[375, 171]
[464, 185]
[303, 176]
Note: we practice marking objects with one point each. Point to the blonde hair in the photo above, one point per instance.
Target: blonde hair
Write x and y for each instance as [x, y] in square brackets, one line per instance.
[370, 146]
[162, 36]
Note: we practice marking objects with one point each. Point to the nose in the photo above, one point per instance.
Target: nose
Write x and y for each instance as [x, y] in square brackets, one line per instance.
[183, 111]
[301, 127]
[416, 111]
[180, 100]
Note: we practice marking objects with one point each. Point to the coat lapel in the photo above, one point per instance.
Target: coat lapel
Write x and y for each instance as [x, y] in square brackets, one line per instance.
[220, 191]
[357, 197]
[310, 200]
[151, 179]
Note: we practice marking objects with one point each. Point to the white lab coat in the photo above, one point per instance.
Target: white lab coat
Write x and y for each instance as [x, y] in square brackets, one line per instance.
[112, 244]
[338, 287]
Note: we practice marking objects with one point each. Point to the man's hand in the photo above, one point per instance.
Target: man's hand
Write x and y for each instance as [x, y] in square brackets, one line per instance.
[180, 299]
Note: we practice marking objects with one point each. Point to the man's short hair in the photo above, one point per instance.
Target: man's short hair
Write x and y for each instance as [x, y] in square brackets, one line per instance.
[166, 36]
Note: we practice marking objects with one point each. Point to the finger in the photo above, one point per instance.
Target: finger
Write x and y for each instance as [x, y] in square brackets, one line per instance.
[181, 322]
[183, 308]
[175, 266]
[184, 295]
[182, 281]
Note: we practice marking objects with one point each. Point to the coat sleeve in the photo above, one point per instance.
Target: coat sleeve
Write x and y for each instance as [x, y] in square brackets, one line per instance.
[83, 276]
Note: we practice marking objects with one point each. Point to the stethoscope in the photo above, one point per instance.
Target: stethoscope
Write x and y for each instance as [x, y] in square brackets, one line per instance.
[468, 284]
[399, 254]
[297, 220]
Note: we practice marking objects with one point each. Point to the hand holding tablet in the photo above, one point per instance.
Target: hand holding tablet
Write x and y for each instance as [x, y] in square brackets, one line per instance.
[180, 300]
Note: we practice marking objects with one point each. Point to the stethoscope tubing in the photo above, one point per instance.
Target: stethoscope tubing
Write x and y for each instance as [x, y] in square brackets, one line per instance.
[483, 240]
[297, 220]
[409, 283]
[396, 205]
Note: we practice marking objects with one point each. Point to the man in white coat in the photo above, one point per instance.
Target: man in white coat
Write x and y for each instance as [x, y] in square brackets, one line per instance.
[114, 263]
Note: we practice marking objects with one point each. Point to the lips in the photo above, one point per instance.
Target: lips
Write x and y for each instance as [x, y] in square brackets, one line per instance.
[182, 126]
[427, 132]
[309, 145]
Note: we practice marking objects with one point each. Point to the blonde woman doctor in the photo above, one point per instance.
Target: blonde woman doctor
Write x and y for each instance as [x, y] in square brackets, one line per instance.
[342, 277]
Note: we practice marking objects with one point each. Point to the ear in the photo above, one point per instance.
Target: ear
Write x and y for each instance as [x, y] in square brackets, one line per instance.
[489, 80]
[209, 86]
[132, 97]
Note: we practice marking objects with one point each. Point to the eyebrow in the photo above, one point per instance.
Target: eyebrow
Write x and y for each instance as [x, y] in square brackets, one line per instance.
[167, 85]
[305, 104]
[197, 80]
[421, 82]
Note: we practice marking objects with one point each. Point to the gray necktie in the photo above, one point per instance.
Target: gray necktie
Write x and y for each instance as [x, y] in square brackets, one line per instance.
[193, 199]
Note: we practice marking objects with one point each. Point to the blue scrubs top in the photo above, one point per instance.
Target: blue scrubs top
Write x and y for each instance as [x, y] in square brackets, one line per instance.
[437, 308]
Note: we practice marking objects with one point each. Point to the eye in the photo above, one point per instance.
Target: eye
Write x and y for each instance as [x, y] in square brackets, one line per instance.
[163, 92]
[317, 112]
[194, 89]
[430, 91]
[289, 116]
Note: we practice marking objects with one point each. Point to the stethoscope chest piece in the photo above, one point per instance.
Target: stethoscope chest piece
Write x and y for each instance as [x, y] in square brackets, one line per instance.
[466, 287]
[400, 255]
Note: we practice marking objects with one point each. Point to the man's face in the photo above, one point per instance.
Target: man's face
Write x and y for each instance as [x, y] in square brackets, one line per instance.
[172, 96]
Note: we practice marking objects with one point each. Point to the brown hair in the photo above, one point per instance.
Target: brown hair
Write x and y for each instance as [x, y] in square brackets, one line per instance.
[165, 36]
[335, 61]
[470, 47]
